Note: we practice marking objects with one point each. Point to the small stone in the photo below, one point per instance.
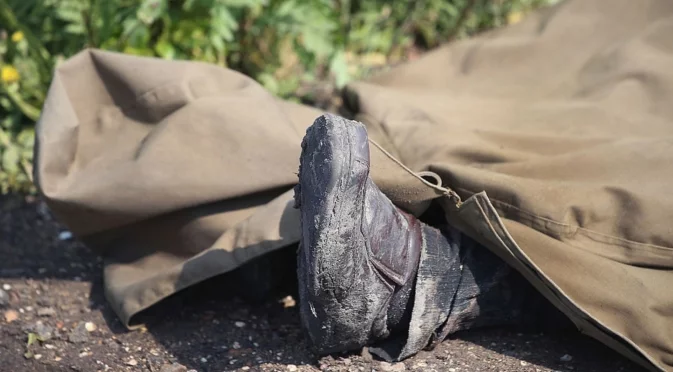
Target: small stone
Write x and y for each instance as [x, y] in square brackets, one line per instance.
[288, 301]
[566, 358]
[58, 359]
[523, 363]
[366, 355]
[29, 308]
[111, 343]
[236, 345]
[11, 315]
[389, 367]
[4, 298]
[7, 287]
[46, 311]
[37, 356]
[50, 346]
[83, 354]
[65, 235]
[245, 368]
[420, 365]
[239, 324]
[89, 326]
[43, 331]
[204, 360]
[131, 362]
[45, 302]
[79, 334]
[346, 361]
[291, 367]
[154, 362]
[452, 370]
[175, 367]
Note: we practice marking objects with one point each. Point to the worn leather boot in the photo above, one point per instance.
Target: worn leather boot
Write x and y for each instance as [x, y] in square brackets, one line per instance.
[367, 270]
[358, 252]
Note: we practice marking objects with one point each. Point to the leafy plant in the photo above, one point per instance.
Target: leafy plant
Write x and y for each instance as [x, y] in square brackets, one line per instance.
[295, 48]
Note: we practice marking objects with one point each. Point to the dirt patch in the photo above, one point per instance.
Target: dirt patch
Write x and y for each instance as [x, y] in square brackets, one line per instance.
[54, 299]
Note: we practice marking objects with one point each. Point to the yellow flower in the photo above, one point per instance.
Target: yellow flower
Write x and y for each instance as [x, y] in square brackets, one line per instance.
[9, 74]
[514, 17]
[17, 36]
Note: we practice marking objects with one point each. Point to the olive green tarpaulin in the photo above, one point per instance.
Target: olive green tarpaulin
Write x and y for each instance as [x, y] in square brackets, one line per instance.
[557, 133]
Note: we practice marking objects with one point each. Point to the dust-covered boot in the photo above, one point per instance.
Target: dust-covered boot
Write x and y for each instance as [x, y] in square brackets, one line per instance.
[358, 252]
[367, 270]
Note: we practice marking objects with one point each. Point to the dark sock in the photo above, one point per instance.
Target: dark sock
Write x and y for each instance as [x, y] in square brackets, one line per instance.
[486, 293]
[491, 293]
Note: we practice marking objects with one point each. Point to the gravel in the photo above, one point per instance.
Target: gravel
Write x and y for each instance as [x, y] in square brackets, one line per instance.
[46, 311]
[79, 334]
[41, 272]
[43, 331]
[396, 367]
[175, 367]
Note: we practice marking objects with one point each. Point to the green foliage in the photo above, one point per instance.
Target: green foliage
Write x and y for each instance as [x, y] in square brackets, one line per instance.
[289, 46]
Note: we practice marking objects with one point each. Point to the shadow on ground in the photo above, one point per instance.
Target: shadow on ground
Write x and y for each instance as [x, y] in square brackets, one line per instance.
[56, 283]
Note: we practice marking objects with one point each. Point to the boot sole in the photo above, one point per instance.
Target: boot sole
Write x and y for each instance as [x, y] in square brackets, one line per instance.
[334, 306]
